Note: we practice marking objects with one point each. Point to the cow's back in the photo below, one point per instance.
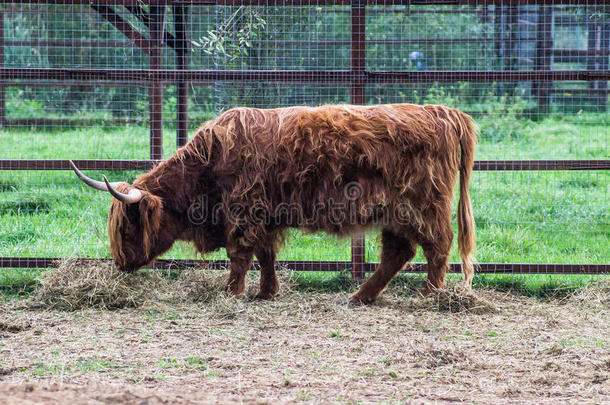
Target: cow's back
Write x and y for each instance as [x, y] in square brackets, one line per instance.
[312, 155]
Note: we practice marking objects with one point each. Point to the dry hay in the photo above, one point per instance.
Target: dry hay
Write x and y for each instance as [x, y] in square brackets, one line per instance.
[457, 299]
[76, 285]
[201, 284]
[453, 299]
[594, 295]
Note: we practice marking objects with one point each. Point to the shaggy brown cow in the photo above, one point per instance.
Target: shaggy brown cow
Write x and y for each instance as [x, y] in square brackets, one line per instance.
[250, 174]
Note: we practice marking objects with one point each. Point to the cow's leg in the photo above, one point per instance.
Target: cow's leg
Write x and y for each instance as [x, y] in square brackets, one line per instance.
[269, 285]
[436, 249]
[395, 252]
[241, 260]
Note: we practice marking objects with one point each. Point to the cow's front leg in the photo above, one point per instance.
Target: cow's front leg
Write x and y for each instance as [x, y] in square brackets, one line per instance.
[241, 260]
[396, 250]
[269, 285]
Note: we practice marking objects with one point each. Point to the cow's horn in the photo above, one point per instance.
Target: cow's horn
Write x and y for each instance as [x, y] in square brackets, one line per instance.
[98, 185]
[133, 196]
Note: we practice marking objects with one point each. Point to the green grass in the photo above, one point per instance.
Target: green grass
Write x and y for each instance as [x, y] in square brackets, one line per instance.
[532, 285]
[82, 366]
[15, 283]
[526, 217]
[576, 136]
[323, 281]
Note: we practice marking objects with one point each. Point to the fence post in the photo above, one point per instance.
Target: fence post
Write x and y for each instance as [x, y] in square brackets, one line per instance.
[358, 65]
[180, 13]
[544, 59]
[2, 88]
[157, 14]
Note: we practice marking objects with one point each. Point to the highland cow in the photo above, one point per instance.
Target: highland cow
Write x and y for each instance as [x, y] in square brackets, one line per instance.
[250, 174]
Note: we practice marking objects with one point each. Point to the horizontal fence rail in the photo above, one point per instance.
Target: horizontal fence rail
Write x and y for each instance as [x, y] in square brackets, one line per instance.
[292, 3]
[300, 76]
[331, 266]
[485, 165]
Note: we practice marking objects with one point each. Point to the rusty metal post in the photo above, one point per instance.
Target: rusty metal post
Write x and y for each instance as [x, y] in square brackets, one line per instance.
[358, 65]
[2, 87]
[182, 62]
[157, 14]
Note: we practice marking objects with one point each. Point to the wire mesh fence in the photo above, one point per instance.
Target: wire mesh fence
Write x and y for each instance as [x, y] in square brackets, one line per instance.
[118, 85]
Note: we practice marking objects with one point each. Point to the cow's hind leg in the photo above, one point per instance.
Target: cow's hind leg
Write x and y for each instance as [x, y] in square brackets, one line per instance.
[269, 286]
[395, 252]
[241, 260]
[437, 250]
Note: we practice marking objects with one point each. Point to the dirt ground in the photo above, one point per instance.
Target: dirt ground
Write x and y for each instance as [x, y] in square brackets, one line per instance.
[310, 347]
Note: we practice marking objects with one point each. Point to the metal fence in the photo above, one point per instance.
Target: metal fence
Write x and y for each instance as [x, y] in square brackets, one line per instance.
[101, 82]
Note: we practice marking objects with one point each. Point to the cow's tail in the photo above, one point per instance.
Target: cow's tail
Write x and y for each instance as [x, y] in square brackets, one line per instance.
[468, 131]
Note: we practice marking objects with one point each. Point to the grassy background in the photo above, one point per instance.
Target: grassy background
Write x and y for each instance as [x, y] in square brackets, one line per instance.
[532, 216]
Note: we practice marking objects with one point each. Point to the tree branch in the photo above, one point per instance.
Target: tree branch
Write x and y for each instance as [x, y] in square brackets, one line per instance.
[145, 17]
[119, 23]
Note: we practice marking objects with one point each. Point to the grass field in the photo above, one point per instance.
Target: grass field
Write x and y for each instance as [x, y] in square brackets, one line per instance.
[527, 217]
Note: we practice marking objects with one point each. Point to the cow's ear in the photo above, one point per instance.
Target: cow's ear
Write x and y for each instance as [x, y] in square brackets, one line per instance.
[151, 209]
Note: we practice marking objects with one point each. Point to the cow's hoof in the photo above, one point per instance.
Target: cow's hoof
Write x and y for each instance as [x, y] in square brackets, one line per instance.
[229, 294]
[264, 297]
[234, 291]
[428, 290]
[356, 300]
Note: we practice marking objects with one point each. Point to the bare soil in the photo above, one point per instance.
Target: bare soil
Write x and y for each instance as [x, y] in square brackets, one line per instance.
[310, 347]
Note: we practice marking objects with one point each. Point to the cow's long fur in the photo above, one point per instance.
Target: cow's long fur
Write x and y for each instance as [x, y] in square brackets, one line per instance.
[392, 167]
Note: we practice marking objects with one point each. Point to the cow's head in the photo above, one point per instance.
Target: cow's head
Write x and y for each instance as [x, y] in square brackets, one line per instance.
[137, 225]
